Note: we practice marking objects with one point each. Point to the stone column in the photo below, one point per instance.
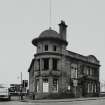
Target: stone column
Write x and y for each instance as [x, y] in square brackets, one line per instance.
[41, 64]
[40, 84]
[50, 64]
[98, 88]
[50, 84]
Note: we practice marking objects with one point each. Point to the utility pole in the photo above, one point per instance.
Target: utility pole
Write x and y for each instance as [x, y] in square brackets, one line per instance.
[21, 94]
[50, 13]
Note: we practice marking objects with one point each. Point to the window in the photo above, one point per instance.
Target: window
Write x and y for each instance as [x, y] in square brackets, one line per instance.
[93, 74]
[55, 85]
[87, 72]
[95, 88]
[45, 86]
[54, 48]
[92, 88]
[46, 64]
[46, 48]
[74, 70]
[88, 88]
[54, 64]
[38, 48]
[68, 87]
[91, 71]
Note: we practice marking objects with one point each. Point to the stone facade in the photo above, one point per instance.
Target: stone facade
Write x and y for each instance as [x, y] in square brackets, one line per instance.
[56, 72]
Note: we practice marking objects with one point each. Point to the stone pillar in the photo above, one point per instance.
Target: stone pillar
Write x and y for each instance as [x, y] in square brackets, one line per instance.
[35, 65]
[59, 64]
[98, 88]
[41, 64]
[50, 64]
[79, 70]
[40, 84]
[34, 84]
[50, 84]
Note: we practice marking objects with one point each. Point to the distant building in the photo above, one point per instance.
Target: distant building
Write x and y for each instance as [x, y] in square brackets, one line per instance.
[56, 72]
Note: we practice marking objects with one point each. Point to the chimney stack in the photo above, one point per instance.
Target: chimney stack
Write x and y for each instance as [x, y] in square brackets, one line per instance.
[62, 29]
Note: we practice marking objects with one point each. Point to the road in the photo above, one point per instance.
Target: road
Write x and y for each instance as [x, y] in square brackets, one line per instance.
[88, 102]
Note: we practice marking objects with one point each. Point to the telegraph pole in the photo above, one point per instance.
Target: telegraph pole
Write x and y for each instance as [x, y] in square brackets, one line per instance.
[21, 95]
[50, 13]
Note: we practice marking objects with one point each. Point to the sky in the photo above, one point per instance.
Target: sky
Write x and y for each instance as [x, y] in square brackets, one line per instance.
[23, 20]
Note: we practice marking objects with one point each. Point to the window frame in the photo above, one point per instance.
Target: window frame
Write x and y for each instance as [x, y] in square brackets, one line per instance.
[55, 86]
[46, 47]
[54, 64]
[46, 63]
[54, 48]
[44, 90]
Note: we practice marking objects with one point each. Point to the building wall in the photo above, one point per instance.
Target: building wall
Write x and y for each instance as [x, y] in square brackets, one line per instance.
[66, 77]
[31, 80]
[40, 47]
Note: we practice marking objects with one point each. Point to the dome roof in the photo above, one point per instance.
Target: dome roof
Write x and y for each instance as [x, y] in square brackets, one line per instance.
[49, 33]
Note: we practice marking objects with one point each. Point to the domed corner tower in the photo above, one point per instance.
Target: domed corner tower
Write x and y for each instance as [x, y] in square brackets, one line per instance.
[46, 67]
[51, 41]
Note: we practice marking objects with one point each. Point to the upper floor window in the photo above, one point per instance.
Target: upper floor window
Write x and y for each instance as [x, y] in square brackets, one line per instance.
[55, 64]
[46, 47]
[46, 64]
[74, 69]
[38, 48]
[38, 64]
[54, 48]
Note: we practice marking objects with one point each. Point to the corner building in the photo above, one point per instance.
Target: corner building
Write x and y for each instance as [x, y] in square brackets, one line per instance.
[56, 72]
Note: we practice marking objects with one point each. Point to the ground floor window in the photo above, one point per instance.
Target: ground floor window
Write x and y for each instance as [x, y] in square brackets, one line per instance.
[69, 87]
[95, 88]
[91, 87]
[45, 86]
[37, 85]
[55, 85]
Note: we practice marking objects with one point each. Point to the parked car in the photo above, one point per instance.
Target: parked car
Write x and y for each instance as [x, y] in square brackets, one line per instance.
[4, 93]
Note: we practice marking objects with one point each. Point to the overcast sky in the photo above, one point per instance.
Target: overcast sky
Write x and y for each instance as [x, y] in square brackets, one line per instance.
[23, 20]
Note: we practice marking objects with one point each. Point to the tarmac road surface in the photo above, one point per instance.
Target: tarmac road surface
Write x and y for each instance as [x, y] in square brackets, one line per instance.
[86, 102]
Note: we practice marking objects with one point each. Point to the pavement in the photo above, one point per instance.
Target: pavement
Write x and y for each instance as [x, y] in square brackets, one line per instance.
[61, 100]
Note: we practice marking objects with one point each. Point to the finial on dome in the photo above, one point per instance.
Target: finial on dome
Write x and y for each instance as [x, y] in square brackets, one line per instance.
[50, 28]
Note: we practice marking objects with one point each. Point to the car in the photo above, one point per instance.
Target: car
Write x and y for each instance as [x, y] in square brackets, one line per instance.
[4, 93]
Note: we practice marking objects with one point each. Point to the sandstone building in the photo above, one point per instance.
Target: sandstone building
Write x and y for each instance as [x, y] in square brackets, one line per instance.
[56, 72]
